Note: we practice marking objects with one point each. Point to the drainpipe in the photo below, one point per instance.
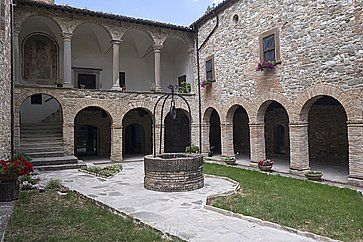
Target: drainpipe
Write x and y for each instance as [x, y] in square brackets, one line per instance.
[198, 71]
[12, 74]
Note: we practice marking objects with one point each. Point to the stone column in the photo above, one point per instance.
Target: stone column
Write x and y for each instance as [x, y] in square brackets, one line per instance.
[205, 138]
[67, 42]
[157, 49]
[257, 142]
[355, 141]
[116, 65]
[157, 137]
[191, 69]
[195, 134]
[16, 58]
[68, 138]
[116, 143]
[227, 140]
[299, 148]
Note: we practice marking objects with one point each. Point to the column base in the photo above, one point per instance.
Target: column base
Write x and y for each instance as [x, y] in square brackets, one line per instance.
[67, 85]
[158, 89]
[116, 88]
[299, 171]
[355, 181]
[253, 163]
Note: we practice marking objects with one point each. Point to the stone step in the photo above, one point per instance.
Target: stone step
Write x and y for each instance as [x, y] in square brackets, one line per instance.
[41, 149]
[40, 131]
[46, 154]
[41, 139]
[40, 126]
[52, 161]
[29, 145]
[78, 165]
[40, 135]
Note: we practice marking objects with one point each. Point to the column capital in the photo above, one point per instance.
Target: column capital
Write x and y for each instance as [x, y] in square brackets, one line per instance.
[257, 125]
[302, 124]
[116, 41]
[157, 47]
[67, 36]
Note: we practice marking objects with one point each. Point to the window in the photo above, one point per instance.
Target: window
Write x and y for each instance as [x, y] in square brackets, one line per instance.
[235, 19]
[209, 68]
[122, 78]
[36, 99]
[270, 46]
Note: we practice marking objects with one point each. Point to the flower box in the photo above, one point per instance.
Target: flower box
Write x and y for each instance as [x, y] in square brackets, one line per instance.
[314, 175]
[266, 66]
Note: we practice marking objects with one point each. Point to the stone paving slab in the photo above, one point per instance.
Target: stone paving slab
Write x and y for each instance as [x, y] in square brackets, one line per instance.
[181, 214]
[5, 212]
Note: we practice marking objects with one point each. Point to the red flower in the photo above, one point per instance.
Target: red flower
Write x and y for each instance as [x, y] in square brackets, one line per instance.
[19, 165]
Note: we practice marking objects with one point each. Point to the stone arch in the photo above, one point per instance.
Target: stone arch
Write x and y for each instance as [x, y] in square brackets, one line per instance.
[137, 133]
[238, 116]
[207, 113]
[78, 108]
[74, 29]
[149, 107]
[20, 20]
[179, 37]
[230, 112]
[92, 132]
[311, 95]
[52, 64]
[177, 133]
[265, 101]
[141, 30]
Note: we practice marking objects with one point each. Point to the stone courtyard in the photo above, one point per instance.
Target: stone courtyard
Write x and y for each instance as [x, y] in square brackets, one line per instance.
[182, 214]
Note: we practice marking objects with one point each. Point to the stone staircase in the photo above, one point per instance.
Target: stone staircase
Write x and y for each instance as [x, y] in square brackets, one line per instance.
[44, 143]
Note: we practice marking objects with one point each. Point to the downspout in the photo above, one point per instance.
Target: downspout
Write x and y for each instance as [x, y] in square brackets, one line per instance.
[198, 73]
[12, 74]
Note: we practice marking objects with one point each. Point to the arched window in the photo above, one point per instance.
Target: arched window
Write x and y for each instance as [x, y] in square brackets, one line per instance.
[40, 59]
[235, 19]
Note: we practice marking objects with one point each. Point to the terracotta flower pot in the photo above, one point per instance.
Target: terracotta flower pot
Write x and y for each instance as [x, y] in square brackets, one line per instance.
[265, 168]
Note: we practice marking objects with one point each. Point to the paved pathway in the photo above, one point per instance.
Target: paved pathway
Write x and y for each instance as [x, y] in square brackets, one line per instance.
[5, 212]
[180, 214]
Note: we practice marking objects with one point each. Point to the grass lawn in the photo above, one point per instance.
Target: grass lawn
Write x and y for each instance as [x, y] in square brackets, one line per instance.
[308, 206]
[50, 217]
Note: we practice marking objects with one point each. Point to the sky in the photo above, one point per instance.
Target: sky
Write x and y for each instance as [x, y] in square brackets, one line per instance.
[180, 12]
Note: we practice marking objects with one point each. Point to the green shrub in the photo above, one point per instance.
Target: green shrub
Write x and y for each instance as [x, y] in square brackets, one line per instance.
[193, 149]
[54, 184]
[106, 171]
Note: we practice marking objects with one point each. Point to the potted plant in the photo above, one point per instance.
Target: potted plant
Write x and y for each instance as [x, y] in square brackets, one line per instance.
[266, 65]
[265, 165]
[230, 160]
[193, 149]
[10, 171]
[314, 175]
[206, 83]
[184, 87]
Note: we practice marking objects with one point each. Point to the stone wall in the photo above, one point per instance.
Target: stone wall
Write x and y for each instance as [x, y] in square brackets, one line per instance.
[5, 80]
[321, 42]
[115, 104]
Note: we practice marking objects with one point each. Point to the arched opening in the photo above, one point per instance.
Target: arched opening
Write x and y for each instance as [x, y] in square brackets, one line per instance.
[235, 19]
[137, 61]
[40, 53]
[177, 132]
[92, 57]
[215, 133]
[174, 63]
[92, 128]
[41, 127]
[328, 137]
[241, 134]
[277, 142]
[137, 136]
